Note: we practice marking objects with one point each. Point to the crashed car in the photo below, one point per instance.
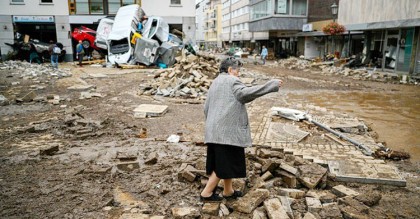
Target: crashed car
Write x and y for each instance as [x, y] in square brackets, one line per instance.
[21, 50]
[86, 35]
[102, 32]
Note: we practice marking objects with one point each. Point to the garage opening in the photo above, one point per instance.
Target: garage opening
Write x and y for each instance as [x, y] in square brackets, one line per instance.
[42, 32]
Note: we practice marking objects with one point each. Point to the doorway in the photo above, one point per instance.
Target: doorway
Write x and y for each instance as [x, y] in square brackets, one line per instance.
[390, 50]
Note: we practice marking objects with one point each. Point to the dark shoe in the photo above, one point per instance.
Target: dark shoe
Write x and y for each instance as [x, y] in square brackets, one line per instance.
[213, 198]
[236, 194]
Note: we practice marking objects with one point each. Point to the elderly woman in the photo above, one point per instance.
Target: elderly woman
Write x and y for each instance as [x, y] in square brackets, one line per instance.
[227, 131]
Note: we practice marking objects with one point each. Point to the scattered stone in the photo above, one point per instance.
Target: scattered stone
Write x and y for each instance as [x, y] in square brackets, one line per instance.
[29, 97]
[288, 179]
[324, 196]
[292, 193]
[128, 166]
[251, 200]
[190, 177]
[266, 176]
[81, 87]
[286, 203]
[314, 204]
[349, 201]
[351, 213]
[342, 191]
[259, 213]
[309, 215]
[311, 174]
[49, 151]
[149, 110]
[370, 199]
[224, 211]
[185, 212]
[211, 208]
[269, 166]
[289, 169]
[152, 158]
[275, 209]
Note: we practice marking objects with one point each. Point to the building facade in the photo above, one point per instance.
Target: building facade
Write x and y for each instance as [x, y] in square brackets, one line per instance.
[391, 32]
[282, 19]
[53, 20]
[200, 14]
[212, 24]
[235, 25]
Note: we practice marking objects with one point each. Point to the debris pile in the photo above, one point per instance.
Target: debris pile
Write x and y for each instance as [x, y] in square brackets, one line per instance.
[27, 70]
[282, 185]
[190, 77]
[330, 68]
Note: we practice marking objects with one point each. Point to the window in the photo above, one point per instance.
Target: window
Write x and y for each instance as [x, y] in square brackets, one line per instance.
[82, 6]
[17, 2]
[282, 6]
[130, 2]
[96, 7]
[113, 6]
[47, 1]
[175, 2]
[262, 9]
[299, 7]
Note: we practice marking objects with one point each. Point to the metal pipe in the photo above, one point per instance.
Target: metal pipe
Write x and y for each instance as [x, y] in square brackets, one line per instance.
[365, 149]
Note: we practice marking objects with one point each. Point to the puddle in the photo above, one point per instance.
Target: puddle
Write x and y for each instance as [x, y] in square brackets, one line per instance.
[394, 116]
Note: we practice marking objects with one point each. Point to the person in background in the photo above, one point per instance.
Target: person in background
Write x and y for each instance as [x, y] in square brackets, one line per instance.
[54, 51]
[227, 130]
[80, 52]
[264, 54]
[33, 54]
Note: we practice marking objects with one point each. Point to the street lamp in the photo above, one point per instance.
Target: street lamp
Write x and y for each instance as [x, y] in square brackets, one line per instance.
[334, 10]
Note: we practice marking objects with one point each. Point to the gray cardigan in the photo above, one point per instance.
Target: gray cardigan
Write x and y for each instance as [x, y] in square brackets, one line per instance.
[225, 111]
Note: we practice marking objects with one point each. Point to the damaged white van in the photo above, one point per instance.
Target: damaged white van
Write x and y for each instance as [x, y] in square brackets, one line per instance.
[119, 45]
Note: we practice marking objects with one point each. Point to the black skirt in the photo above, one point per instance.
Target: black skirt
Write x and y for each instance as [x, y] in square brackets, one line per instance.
[226, 161]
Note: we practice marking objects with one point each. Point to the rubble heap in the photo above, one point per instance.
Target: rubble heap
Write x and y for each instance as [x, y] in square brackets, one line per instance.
[190, 77]
[280, 186]
[329, 68]
[30, 71]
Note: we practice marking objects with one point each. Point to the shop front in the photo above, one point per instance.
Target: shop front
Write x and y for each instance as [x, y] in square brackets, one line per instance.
[40, 28]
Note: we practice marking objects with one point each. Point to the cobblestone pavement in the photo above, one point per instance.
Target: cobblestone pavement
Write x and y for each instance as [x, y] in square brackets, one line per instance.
[345, 160]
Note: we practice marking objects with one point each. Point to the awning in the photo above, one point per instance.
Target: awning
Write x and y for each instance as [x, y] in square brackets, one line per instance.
[320, 33]
[384, 24]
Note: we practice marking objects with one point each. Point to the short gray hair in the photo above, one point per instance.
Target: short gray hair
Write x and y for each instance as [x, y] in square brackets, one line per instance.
[229, 62]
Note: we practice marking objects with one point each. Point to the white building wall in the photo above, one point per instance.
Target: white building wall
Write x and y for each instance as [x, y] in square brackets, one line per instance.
[369, 11]
[199, 20]
[59, 9]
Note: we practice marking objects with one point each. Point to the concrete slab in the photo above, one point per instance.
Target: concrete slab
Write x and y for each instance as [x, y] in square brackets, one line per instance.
[150, 110]
[280, 132]
[349, 172]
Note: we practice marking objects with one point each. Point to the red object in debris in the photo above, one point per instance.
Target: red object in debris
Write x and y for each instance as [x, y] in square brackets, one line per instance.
[86, 35]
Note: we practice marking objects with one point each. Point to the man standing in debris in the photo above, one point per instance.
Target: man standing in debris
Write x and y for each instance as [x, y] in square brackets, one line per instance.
[264, 54]
[227, 130]
[55, 51]
[80, 52]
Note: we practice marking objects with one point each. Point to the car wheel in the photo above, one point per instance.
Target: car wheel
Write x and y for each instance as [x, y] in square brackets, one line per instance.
[86, 44]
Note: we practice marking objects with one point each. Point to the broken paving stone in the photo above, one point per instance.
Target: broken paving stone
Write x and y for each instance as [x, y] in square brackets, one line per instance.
[311, 174]
[314, 204]
[132, 215]
[286, 203]
[289, 168]
[292, 193]
[152, 158]
[269, 166]
[330, 210]
[349, 201]
[266, 176]
[185, 212]
[324, 196]
[101, 170]
[190, 177]
[149, 110]
[275, 209]
[370, 199]
[4, 101]
[309, 215]
[211, 208]
[251, 200]
[128, 166]
[288, 179]
[342, 191]
[351, 213]
[49, 151]
[259, 213]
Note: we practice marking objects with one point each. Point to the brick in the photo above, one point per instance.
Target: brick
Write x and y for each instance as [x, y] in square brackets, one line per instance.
[211, 208]
[309, 215]
[330, 210]
[190, 177]
[314, 204]
[269, 166]
[289, 168]
[286, 202]
[266, 176]
[275, 209]
[185, 212]
[251, 200]
[288, 179]
[349, 201]
[351, 213]
[259, 213]
[292, 193]
[311, 174]
[342, 191]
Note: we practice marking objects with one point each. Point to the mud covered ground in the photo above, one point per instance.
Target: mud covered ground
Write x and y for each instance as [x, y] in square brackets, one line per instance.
[94, 135]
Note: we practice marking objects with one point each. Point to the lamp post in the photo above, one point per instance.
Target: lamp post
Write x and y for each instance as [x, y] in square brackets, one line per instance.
[334, 11]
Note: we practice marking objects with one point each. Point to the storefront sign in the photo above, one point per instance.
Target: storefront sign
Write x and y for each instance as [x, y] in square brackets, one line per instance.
[307, 28]
[33, 19]
[281, 6]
